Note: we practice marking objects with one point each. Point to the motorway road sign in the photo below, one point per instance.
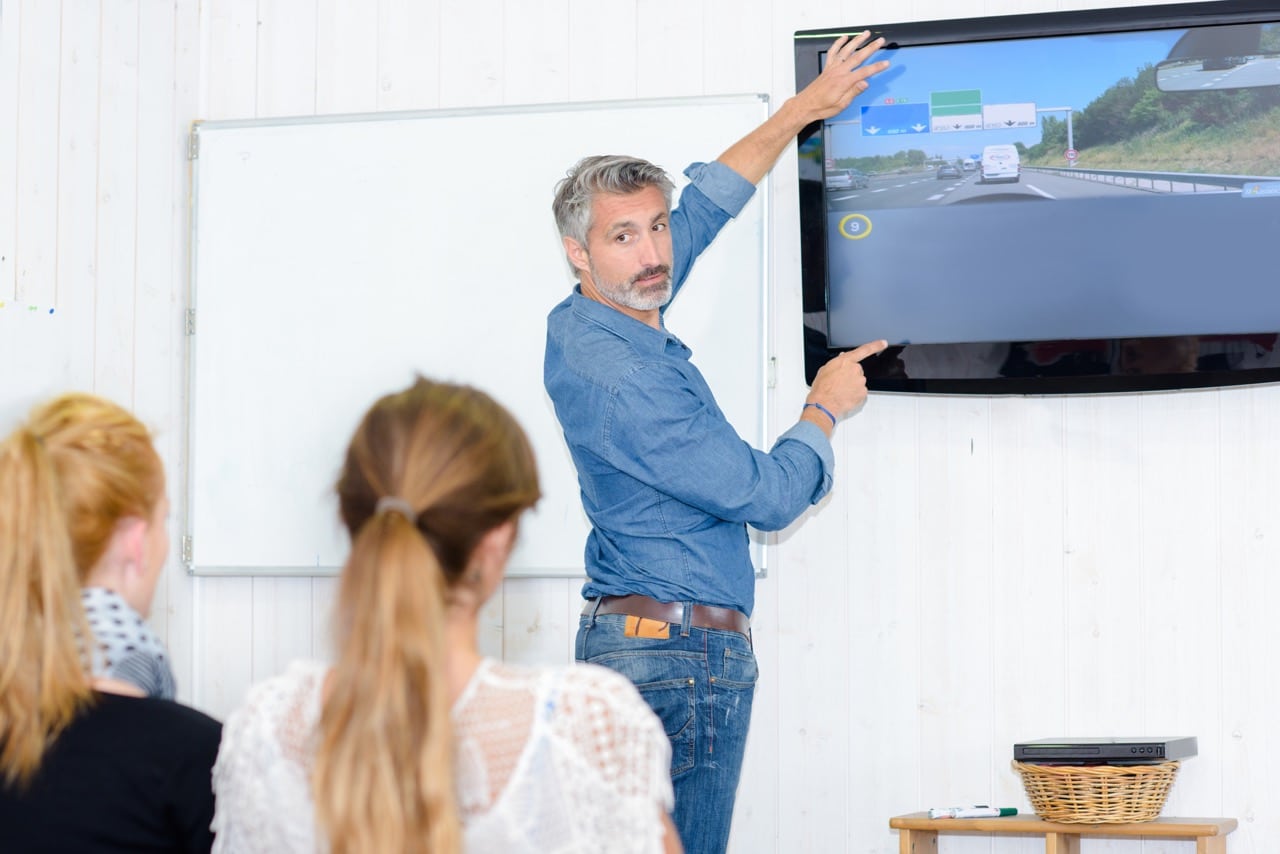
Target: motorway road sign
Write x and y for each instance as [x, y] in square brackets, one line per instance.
[890, 119]
[1008, 116]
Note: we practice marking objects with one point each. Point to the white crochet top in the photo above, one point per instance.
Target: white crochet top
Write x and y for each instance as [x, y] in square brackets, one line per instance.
[563, 759]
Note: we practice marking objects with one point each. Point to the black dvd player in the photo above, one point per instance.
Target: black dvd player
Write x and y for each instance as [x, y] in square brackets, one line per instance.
[1105, 751]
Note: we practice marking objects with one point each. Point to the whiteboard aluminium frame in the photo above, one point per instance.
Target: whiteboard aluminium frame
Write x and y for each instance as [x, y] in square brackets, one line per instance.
[761, 542]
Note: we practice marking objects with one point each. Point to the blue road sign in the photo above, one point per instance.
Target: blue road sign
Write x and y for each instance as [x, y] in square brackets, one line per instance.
[890, 119]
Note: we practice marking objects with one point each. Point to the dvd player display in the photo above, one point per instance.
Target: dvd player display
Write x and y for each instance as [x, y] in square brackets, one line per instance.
[1104, 751]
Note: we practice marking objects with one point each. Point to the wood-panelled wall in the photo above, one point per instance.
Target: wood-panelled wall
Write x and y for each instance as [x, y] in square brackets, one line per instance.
[986, 570]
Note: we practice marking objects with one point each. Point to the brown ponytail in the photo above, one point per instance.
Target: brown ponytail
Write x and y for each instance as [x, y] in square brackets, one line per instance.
[79, 465]
[383, 778]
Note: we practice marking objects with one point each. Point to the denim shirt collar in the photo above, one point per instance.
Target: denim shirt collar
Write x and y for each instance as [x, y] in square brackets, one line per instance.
[642, 336]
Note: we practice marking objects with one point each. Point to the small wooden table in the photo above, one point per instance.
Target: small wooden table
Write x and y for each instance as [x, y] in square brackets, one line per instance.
[918, 834]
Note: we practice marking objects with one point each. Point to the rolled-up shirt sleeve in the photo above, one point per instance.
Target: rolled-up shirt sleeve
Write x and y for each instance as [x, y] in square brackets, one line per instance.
[725, 188]
[715, 194]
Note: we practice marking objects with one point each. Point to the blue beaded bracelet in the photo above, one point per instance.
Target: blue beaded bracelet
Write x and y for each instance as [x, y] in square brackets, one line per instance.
[823, 410]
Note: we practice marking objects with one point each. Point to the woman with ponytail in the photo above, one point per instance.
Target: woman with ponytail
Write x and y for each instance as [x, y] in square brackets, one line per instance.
[94, 755]
[411, 741]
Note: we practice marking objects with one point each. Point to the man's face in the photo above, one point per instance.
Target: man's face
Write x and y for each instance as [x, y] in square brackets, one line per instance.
[627, 260]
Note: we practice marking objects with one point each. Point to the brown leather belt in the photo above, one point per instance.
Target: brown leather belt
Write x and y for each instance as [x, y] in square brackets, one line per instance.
[702, 616]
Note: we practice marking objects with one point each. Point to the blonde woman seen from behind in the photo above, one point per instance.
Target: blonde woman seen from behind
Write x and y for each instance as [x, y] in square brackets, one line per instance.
[412, 741]
[94, 756]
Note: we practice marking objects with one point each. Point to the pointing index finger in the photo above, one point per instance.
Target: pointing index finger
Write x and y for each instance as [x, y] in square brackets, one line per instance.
[870, 349]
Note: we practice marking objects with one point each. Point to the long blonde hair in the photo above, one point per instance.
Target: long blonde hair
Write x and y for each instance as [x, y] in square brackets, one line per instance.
[76, 468]
[383, 777]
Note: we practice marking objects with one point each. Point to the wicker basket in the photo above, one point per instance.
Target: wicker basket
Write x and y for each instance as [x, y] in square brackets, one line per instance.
[1097, 794]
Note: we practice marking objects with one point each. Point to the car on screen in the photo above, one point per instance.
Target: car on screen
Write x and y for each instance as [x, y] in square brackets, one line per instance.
[948, 170]
[1000, 163]
[1220, 63]
[846, 179]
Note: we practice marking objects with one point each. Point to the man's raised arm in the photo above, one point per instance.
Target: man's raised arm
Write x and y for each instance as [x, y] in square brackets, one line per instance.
[843, 77]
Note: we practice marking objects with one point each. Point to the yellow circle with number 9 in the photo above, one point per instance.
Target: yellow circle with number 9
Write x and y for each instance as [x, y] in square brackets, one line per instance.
[855, 226]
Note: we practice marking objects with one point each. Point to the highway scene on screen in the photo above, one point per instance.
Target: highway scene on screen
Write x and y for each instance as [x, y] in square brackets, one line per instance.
[1068, 117]
[923, 188]
[1051, 188]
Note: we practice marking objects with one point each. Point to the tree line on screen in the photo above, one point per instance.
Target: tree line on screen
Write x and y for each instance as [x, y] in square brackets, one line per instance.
[1134, 107]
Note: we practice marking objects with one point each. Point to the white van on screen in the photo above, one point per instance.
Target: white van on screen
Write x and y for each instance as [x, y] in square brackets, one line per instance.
[1000, 163]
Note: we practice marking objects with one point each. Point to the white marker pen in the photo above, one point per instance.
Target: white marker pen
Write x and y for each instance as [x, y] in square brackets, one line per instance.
[979, 811]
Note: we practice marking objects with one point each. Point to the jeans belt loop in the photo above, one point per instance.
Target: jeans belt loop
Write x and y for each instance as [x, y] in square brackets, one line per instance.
[685, 620]
[595, 606]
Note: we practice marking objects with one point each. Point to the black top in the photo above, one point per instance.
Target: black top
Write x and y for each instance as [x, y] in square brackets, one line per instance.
[130, 774]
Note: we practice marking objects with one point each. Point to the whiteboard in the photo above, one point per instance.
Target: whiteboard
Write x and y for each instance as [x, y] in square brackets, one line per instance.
[335, 257]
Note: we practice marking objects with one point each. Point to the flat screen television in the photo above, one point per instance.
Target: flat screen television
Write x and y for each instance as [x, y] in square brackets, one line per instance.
[1082, 201]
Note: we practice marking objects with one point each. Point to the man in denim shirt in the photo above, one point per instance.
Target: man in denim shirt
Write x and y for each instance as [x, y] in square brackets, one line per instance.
[667, 483]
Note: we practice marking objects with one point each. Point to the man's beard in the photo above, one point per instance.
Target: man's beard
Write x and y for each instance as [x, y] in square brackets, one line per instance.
[632, 296]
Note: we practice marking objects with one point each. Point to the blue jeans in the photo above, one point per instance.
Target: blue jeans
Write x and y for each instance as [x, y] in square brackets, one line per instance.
[700, 682]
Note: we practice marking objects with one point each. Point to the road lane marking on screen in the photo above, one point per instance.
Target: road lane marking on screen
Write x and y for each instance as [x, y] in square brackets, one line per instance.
[1033, 188]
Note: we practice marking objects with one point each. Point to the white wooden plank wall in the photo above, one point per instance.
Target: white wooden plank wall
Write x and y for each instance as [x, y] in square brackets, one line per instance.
[986, 570]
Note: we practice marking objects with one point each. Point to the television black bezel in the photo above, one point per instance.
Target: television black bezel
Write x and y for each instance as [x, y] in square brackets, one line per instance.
[809, 47]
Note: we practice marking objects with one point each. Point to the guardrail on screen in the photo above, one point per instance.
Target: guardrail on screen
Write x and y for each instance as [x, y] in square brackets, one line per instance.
[1158, 182]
